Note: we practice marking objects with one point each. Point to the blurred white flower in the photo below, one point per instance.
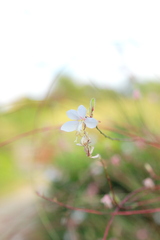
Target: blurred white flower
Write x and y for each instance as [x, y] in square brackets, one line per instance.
[148, 182]
[78, 217]
[53, 174]
[96, 168]
[80, 120]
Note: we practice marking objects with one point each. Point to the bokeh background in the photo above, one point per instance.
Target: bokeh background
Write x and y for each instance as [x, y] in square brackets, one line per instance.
[55, 56]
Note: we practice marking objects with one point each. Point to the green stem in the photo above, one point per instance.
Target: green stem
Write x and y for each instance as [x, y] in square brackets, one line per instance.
[114, 139]
[110, 184]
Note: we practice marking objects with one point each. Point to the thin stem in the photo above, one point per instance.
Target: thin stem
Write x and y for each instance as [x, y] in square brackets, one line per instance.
[111, 188]
[110, 184]
[145, 202]
[114, 139]
[54, 200]
[109, 224]
[117, 210]
[135, 138]
[26, 134]
[143, 211]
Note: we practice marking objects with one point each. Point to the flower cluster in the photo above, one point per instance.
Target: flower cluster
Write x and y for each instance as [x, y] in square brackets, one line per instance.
[79, 124]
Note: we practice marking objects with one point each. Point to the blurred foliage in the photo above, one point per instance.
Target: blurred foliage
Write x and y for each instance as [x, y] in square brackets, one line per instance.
[150, 88]
[61, 168]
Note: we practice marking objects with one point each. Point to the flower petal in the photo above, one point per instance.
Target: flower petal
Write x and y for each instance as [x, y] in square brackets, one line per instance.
[91, 122]
[72, 114]
[70, 126]
[80, 126]
[82, 111]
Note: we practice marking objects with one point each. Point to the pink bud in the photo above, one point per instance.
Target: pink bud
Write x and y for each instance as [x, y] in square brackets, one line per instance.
[115, 160]
[136, 94]
[106, 200]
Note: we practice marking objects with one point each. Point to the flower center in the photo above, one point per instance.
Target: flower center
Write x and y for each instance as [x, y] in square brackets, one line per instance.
[83, 118]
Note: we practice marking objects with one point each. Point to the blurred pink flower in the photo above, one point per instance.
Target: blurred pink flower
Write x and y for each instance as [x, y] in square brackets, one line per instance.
[92, 189]
[136, 94]
[142, 234]
[140, 144]
[115, 159]
[107, 201]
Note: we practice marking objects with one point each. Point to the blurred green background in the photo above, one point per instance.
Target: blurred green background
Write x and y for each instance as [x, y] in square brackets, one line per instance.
[36, 156]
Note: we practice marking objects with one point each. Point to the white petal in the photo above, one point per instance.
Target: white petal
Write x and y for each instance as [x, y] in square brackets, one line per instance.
[82, 111]
[72, 114]
[91, 122]
[96, 156]
[70, 126]
[80, 126]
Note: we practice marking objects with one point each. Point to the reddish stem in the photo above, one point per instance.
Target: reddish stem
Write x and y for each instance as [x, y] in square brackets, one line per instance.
[70, 207]
[143, 211]
[26, 134]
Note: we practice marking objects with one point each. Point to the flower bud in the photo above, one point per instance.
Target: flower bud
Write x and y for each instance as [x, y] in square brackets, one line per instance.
[148, 182]
[92, 107]
[148, 168]
[107, 201]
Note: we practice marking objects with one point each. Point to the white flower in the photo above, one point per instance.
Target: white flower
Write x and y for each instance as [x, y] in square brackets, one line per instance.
[148, 183]
[80, 119]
